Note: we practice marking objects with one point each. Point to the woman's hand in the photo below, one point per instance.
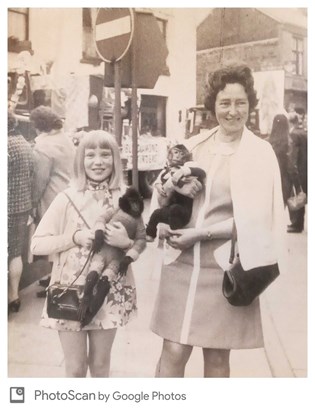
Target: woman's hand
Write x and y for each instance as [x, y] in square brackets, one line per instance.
[84, 238]
[184, 238]
[190, 188]
[116, 235]
[160, 190]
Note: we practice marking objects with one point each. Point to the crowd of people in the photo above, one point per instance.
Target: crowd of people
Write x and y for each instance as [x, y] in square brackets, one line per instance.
[246, 182]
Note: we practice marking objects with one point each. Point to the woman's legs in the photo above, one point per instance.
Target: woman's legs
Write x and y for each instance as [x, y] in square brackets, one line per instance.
[216, 363]
[15, 273]
[74, 345]
[100, 345]
[173, 360]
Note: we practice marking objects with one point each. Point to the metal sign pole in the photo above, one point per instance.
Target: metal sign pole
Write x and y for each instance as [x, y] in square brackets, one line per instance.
[117, 107]
[113, 36]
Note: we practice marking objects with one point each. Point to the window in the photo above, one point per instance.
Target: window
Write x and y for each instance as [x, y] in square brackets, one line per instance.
[89, 53]
[18, 24]
[297, 55]
[18, 30]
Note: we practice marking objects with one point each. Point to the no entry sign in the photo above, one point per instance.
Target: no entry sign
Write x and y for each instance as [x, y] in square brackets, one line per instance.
[113, 33]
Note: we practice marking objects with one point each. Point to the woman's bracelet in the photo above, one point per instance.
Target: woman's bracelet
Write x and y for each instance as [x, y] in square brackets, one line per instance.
[73, 240]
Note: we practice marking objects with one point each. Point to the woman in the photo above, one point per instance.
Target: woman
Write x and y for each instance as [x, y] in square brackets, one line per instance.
[279, 140]
[20, 175]
[297, 162]
[97, 183]
[54, 155]
[242, 185]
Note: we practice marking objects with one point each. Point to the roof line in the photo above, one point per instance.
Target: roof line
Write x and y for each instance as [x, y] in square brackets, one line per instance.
[266, 41]
[280, 20]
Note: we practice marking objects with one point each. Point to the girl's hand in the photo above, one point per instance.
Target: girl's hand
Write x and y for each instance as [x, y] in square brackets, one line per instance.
[191, 187]
[84, 238]
[183, 238]
[116, 235]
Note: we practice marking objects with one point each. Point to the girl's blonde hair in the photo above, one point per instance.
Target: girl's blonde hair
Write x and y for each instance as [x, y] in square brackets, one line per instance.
[93, 140]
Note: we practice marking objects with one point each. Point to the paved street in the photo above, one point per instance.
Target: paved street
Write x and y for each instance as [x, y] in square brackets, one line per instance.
[136, 349]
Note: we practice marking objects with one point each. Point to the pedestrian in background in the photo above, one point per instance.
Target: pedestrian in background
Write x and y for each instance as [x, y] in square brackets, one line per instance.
[98, 182]
[243, 186]
[20, 179]
[54, 156]
[279, 140]
[297, 166]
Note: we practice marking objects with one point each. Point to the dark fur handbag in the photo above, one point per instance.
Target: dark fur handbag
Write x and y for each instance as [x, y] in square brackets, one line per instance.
[240, 287]
[63, 302]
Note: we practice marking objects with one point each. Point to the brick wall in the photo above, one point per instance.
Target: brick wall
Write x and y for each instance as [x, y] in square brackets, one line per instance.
[259, 56]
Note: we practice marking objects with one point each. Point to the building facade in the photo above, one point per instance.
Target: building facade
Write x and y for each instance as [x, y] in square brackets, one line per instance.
[65, 70]
[273, 42]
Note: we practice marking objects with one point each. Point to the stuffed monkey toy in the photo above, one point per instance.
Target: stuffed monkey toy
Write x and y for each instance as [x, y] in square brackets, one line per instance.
[113, 259]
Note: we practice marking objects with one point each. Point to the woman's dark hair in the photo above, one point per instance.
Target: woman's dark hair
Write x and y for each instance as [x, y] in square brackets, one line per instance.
[45, 119]
[230, 75]
[279, 133]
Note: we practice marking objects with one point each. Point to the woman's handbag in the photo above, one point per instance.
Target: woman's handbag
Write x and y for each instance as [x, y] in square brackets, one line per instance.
[240, 287]
[297, 201]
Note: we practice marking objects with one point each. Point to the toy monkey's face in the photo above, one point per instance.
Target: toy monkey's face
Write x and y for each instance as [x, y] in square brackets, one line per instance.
[132, 203]
[176, 157]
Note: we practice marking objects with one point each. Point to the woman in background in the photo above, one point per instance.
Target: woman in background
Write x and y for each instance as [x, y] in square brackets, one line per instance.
[20, 177]
[54, 156]
[279, 140]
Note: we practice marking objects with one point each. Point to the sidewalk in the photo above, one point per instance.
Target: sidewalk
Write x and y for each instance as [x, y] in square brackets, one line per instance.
[136, 349]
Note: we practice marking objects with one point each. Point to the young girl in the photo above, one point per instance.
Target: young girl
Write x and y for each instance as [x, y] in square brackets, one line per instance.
[62, 232]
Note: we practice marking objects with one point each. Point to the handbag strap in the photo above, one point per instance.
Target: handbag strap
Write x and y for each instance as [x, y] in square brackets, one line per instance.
[80, 273]
[77, 210]
[91, 252]
[233, 242]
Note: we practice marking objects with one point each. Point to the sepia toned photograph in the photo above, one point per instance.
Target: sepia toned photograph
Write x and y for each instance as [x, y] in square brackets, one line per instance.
[157, 192]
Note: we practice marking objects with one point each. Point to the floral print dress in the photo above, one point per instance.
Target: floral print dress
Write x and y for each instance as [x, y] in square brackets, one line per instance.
[119, 306]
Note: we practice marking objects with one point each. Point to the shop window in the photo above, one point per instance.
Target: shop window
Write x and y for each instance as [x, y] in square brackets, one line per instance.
[153, 115]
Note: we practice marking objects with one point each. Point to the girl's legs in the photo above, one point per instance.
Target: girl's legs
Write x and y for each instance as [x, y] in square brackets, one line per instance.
[216, 363]
[74, 345]
[173, 359]
[100, 345]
